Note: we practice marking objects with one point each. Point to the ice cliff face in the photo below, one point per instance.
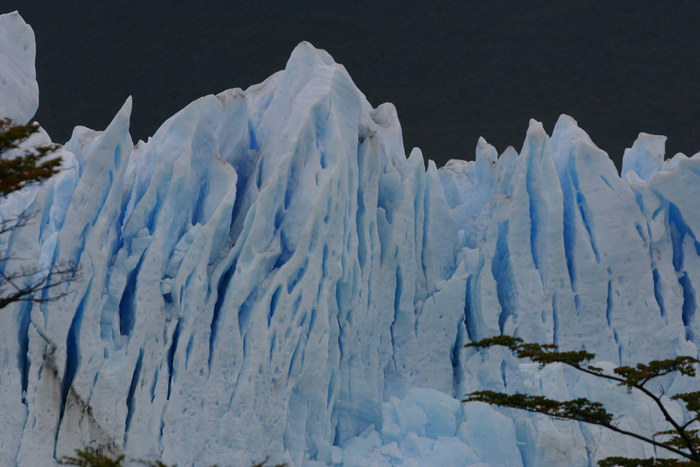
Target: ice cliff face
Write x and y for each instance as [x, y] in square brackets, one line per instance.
[270, 275]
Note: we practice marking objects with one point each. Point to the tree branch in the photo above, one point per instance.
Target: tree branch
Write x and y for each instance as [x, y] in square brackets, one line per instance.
[593, 412]
[49, 279]
[580, 410]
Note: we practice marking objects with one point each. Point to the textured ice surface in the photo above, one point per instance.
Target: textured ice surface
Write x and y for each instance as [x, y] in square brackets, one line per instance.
[270, 275]
[19, 91]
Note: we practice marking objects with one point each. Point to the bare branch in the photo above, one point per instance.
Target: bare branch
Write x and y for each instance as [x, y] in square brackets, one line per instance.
[46, 280]
[10, 224]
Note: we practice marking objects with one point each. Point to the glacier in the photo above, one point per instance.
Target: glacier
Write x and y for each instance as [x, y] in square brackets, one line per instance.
[270, 275]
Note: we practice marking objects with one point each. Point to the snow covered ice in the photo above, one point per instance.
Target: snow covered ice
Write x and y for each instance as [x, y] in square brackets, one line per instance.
[271, 275]
[19, 91]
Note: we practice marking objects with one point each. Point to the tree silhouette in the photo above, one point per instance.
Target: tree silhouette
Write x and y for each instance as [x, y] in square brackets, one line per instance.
[31, 165]
[682, 439]
[88, 457]
[21, 165]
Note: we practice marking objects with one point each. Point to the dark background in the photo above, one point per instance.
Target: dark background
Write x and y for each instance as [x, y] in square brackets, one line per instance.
[455, 70]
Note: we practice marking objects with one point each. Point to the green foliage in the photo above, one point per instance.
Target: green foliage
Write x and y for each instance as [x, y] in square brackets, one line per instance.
[577, 409]
[691, 401]
[264, 463]
[89, 457]
[642, 373]
[676, 440]
[680, 440]
[32, 166]
[544, 354]
[625, 462]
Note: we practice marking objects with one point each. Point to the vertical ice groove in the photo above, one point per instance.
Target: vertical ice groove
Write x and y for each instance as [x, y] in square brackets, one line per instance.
[689, 305]
[273, 304]
[154, 213]
[522, 449]
[312, 321]
[338, 324]
[73, 355]
[295, 356]
[605, 180]
[679, 229]
[360, 216]
[455, 352]
[154, 385]
[126, 304]
[609, 304]
[504, 376]
[590, 451]
[555, 319]
[501, 272]
[398, 291]
[639, 200]
[171, 357]
[585, 218]
[245, 311]
[534, 226]
[198, 212]
[657, 290]
[188, 352]
[468, 313]
[23, 347]
[130, 403]
[583, 209]
[535, 199]
[72, 359]
[324, 271]
[297, 276]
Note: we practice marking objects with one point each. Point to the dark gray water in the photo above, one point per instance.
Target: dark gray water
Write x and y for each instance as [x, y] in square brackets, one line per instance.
[455, 70]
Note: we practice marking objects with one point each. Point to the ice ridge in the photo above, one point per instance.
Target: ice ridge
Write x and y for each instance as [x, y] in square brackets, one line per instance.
[270, 275]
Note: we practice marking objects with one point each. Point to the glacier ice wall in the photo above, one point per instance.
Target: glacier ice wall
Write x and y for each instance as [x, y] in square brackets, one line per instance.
[270, 274]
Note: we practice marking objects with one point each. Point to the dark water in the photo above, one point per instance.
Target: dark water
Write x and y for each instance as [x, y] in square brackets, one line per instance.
[455, 70]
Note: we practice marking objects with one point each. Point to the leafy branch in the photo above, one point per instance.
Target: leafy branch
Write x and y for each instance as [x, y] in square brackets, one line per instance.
[681, 441]
[32, 166]
[90, 457]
